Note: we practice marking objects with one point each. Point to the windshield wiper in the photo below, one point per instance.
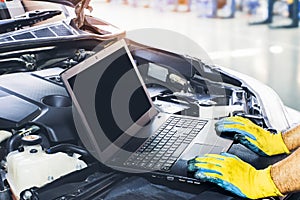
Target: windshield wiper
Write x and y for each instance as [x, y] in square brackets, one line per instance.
[30, 18]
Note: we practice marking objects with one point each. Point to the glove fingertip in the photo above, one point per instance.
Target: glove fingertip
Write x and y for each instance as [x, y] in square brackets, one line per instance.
[191, 168]
[192, 161]
[191, 165]
[239, 137]
[200, 175]
[219, 128]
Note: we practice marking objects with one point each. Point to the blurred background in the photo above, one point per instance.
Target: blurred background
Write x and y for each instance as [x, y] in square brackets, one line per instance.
[259, 38]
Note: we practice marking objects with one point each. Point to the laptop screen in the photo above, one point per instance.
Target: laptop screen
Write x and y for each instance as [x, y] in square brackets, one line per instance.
[111, 96]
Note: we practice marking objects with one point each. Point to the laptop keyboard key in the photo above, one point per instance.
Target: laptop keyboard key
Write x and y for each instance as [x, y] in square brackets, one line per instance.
[179, 150]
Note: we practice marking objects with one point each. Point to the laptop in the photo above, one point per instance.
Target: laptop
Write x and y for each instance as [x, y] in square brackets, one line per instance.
[120, 126]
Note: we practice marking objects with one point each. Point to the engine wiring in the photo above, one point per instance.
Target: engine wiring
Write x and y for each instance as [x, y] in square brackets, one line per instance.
[34, 61]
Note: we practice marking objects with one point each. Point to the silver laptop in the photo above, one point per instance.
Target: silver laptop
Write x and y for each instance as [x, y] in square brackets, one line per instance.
[119, 125]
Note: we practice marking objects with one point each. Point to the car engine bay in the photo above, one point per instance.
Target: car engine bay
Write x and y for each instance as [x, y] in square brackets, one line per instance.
[39, 144]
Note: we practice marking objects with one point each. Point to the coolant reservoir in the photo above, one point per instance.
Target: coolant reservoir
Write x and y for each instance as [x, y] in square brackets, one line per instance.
[33, 167]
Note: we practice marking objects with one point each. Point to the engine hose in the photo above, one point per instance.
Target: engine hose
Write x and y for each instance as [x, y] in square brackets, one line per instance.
[15, 140]
[68, 148]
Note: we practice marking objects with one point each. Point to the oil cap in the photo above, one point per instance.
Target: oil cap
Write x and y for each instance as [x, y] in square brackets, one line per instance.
[30, 140]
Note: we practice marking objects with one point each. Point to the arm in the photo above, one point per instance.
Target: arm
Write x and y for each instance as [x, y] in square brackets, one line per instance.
[291, 138]
[286, 173]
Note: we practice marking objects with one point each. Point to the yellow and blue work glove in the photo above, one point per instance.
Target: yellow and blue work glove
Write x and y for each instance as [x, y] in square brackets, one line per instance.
[234, 175]
[252, 136]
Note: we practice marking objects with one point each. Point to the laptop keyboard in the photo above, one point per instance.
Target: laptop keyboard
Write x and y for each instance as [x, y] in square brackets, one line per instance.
[164, 147]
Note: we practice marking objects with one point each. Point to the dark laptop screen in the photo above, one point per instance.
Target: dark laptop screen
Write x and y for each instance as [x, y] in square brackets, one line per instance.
[110, 96]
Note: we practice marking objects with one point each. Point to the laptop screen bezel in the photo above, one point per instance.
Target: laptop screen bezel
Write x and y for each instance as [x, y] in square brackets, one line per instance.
[107, 153]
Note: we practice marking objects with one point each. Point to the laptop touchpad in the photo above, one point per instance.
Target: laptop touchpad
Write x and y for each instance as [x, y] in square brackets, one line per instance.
[199, 149]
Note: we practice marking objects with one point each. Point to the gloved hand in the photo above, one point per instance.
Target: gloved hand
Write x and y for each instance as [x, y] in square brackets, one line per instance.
[234, 175]
[252, 136]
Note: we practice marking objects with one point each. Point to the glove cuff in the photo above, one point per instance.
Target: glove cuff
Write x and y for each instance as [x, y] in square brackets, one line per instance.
[284, 147]
[265, 183]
